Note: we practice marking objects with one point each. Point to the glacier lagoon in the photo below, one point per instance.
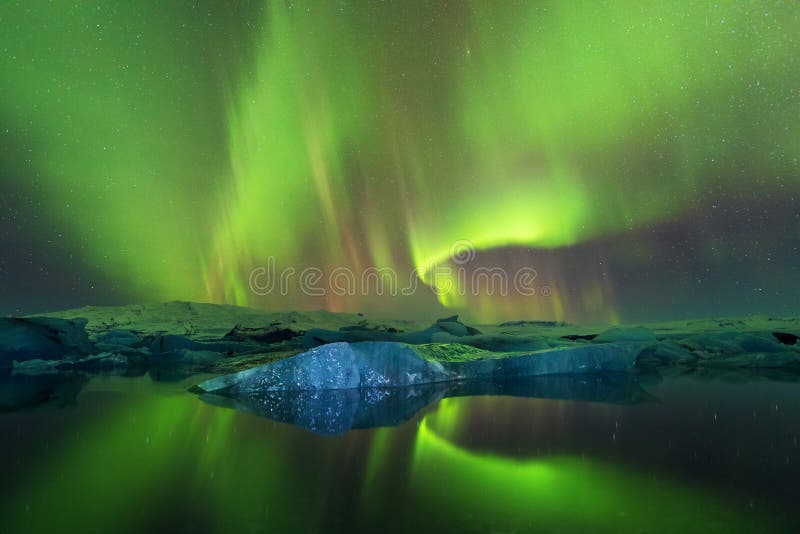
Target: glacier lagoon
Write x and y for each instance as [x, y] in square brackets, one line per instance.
[203, 419]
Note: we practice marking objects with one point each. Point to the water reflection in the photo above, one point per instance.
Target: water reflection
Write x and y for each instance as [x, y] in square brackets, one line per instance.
[560, 493]
[137, 455]
[334, 412]
[21, 391]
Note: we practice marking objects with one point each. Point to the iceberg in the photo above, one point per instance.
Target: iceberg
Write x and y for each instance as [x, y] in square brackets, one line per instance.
[377, 364]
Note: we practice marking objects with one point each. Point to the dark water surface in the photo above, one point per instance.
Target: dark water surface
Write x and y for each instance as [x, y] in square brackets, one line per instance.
[113, 454]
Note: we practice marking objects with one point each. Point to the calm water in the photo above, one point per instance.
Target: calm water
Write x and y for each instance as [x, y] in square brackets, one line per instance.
[133, 454]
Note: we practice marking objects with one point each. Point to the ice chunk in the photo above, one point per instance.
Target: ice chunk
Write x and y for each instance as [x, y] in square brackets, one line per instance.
[392, 364]
[615, 335]
[43, 338]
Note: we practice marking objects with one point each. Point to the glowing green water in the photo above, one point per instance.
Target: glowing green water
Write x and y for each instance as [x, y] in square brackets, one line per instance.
[134, 454]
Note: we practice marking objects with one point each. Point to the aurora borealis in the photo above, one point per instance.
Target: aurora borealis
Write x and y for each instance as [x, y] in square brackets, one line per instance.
[642, 157]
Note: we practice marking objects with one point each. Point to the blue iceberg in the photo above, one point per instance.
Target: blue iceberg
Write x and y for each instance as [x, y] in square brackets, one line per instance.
[391, 364]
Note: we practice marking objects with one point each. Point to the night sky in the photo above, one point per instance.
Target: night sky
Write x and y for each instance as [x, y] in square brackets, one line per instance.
[642, 157]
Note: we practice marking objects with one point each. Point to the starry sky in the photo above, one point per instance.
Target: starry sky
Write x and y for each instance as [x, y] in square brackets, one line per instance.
[640, 157]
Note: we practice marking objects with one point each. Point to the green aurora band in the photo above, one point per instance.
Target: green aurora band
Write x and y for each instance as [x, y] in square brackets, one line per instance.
[349, 143]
